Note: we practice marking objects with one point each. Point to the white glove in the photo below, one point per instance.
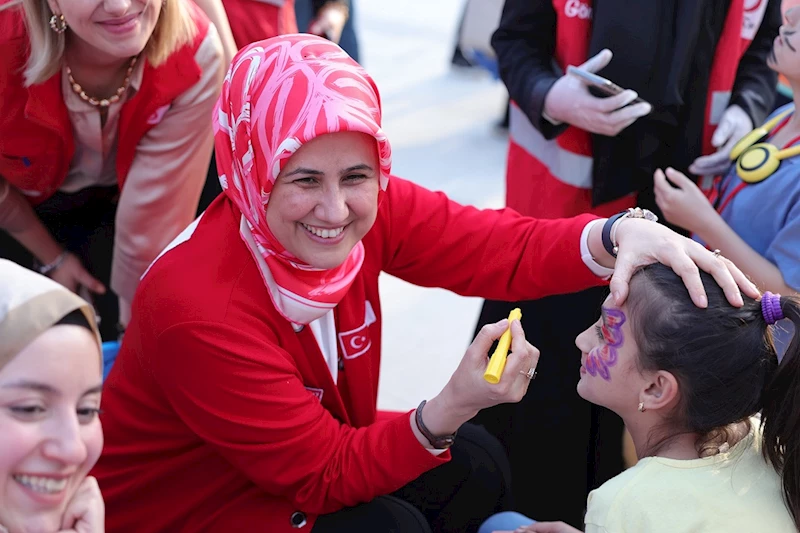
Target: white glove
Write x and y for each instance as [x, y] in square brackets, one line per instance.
[570, 101]
[733, 125]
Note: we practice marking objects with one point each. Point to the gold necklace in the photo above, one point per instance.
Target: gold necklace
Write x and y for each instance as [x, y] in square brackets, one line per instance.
[101, 102]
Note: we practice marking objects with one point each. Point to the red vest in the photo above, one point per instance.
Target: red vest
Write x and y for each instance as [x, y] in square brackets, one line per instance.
[255, 21]
[552, 179]
[36, 138]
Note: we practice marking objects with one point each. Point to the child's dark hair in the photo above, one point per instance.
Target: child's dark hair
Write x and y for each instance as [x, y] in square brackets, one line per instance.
[725, 362]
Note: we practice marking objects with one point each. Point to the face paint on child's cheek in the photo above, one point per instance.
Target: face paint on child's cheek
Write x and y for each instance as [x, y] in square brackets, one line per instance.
[603, 357]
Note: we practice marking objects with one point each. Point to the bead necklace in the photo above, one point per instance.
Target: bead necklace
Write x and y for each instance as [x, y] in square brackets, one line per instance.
[102, 102]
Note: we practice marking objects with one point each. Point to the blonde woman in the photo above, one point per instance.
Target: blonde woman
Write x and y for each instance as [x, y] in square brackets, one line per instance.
[105, 137]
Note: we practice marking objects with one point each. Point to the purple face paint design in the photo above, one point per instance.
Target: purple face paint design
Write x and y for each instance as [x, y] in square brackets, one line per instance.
[603, 357]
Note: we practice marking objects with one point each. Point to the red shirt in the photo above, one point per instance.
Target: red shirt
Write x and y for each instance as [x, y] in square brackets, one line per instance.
[219, 416]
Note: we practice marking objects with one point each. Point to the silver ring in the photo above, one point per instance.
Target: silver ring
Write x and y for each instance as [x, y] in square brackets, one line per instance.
[716, 253]
[530, 374]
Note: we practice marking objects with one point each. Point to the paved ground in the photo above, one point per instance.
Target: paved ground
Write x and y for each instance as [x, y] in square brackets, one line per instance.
[441, 123]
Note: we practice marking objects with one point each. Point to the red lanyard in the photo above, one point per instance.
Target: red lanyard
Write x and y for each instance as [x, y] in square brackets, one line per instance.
[716, 198]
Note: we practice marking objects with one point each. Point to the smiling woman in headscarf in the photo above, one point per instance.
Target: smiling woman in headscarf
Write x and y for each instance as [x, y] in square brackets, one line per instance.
[244, 395]
[50, 434]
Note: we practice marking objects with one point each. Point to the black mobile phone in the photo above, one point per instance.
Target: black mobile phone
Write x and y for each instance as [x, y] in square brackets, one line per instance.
[602, 84]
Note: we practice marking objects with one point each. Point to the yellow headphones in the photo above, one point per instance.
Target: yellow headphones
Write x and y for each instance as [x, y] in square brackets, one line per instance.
[756, 160]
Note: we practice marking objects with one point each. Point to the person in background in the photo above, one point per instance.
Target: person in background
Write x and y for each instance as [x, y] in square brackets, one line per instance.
[255, 20]
[753, 215]
[700, 69]
[310, 17]
[712, 408]
[104, 138]
[50, 435]
[752, 212]
[247, 381]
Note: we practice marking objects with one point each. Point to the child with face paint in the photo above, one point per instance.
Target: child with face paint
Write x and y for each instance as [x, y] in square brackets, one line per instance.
[713, 411]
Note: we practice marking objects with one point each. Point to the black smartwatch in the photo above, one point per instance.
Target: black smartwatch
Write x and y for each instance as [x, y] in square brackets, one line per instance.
[606, 235]
[439, 443]
[634, 212]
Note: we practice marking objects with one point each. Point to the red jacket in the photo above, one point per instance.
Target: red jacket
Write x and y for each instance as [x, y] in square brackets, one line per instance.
[36, 141]
[219, 417]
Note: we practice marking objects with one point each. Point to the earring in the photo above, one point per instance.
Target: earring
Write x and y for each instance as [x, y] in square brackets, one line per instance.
[641, 407]
[58, 24]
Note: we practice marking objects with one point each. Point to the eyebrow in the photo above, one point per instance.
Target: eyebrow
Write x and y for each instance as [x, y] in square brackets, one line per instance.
[46, 389]
[303, 170]
[311, 171]
[362, 166]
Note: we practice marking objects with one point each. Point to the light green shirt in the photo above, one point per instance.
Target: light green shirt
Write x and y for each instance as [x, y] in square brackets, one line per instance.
[733, 492]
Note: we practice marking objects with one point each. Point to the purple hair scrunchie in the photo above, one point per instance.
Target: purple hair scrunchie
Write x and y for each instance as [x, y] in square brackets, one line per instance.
[771, 308]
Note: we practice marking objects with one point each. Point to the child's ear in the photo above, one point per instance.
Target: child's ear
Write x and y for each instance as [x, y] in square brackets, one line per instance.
[661, 392]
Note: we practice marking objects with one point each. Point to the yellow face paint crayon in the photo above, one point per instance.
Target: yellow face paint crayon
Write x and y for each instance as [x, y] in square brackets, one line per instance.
[498, 360]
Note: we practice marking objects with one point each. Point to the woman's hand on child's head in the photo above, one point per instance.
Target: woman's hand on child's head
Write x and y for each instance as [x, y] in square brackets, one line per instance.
[86, 511]
[642, 242]
[681, 201]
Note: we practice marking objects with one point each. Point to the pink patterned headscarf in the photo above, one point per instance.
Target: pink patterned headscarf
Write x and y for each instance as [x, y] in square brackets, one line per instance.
[279, 94]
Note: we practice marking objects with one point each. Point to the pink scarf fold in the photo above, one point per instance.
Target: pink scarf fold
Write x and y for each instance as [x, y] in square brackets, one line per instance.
[279, 94]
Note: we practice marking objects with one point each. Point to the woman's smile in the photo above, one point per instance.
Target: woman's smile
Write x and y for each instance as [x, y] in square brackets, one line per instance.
[325, 235]
[48, 489]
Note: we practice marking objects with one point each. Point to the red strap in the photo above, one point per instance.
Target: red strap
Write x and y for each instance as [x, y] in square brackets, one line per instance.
[712, 193]
[714, 196]
[792, 142]
[780, 125]
[734, 192]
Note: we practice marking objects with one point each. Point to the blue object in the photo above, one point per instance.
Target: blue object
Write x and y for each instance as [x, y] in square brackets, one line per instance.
[506, 521]
[485, 62]
[110, 351]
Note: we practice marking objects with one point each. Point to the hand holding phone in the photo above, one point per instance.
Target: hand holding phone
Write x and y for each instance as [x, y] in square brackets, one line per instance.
[600, 83]
[570, 101]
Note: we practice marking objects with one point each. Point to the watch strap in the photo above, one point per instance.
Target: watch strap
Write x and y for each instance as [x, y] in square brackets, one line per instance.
[438, 443]
[606, 234]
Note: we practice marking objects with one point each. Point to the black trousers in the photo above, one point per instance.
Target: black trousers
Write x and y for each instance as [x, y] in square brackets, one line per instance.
[560, 446]
[83, 223]
[454, 497]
